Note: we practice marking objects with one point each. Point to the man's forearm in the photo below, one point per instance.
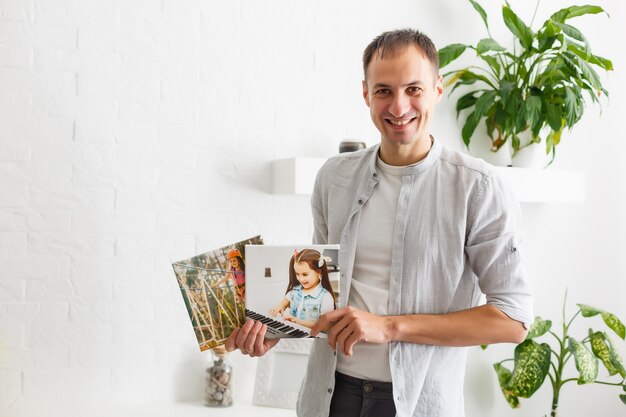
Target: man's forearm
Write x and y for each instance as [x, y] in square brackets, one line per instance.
[479, 325]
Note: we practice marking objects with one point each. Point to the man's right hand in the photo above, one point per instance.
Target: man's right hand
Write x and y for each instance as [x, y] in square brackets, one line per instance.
[250, 339]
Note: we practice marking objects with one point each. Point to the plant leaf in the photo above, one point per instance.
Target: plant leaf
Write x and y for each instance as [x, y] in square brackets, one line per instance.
[571, 107]
[614, 324]
[484, 102]
[616, 359]
[533, 112]
[466, 101]
[493, 63]
[488, 44]
[601, 350]
[553, 115]
[532, 363]
[469, 127]
[539, 328]
[504, 376]
[574, 11]
[589, 311]
[592, 59]
[623, 398]
[589, 74]
[481, 12]
[586, 363]
[517, 27]
[574, 33]
[450, 52]
[610, 319]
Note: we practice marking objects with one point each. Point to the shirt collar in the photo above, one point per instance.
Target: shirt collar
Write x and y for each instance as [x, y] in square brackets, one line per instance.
[315, 292]
[414, 169]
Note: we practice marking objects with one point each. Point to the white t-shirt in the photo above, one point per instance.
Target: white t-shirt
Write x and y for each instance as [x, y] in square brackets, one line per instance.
[372, 266]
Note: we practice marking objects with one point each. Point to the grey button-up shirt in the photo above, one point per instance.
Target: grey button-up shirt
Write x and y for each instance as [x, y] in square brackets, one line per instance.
[455, 237]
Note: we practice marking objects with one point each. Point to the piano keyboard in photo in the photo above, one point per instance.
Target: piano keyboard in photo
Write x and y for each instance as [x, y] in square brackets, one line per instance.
[280, 329]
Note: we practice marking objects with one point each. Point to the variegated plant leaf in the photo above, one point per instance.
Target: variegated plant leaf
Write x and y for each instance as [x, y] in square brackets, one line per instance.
[614, 324]
[539, 328]
[504, 375]
[532, 363]
[610, 319]
[623, 398]
[589, 311]
[601, 350]
[586, 363]
[616, 359]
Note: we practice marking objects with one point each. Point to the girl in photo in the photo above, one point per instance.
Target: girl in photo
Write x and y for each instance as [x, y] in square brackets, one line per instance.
[236, 274]
[309, 293]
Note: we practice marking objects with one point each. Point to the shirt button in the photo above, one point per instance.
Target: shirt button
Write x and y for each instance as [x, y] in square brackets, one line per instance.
[360, 201]
[368, 387]
[375, 175]
[330, 390]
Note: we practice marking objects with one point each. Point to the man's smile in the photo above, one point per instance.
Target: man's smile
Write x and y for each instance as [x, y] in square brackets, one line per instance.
[400, 123]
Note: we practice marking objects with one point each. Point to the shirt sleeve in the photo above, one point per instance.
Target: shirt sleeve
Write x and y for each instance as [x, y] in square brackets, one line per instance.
[494, 251]
[327, 303]
[289, 297]
[320, 228]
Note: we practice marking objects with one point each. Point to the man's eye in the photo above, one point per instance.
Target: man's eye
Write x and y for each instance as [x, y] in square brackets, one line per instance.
[383, 92]
[414, 90]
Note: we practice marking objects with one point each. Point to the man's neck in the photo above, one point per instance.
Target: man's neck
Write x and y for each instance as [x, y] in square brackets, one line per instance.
[403, 155]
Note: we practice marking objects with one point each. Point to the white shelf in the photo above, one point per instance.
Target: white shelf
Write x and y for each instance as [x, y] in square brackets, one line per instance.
[297, 176]
[545, 185]
[191, 409]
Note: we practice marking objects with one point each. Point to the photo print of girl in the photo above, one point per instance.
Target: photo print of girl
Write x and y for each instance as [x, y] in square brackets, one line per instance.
[309, 293]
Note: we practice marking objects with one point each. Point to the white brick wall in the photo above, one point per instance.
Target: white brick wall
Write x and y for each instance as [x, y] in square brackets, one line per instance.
[136, 133]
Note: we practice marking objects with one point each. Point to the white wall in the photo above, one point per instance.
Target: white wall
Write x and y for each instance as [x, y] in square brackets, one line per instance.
[135, 133]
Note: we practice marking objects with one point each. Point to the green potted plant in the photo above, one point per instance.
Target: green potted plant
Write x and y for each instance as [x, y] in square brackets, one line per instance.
[534, 361]
[534, 87]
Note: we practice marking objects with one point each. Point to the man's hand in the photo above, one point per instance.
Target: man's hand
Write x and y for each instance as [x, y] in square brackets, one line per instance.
[250, 339]
[348, 326]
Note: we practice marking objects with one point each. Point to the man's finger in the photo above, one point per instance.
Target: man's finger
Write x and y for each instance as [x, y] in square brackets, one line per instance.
[325, 322]
[252, 336]
[336, 329]
[342, 336]
[231, 341]
[242, 335]
[349, 343]
[259, 342]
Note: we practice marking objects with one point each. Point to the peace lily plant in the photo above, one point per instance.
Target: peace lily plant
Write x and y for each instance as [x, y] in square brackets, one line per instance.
[534, 361]
[534, 87]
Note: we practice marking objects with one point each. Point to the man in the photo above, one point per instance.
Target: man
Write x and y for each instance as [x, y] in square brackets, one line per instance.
[423, 231]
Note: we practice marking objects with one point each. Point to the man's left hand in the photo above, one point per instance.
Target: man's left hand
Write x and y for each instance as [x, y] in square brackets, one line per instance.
[348, 326]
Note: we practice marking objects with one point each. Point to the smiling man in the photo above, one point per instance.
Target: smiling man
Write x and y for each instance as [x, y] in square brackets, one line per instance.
[423, 232]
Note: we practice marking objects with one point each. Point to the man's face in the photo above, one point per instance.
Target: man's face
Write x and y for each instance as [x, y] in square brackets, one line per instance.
[402, 91]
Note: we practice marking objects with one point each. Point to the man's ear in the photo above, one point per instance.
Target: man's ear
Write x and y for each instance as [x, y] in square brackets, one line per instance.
[439, 87]
[365, 93]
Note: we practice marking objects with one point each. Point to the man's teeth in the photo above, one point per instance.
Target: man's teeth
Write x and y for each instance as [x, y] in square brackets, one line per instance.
[400, 122]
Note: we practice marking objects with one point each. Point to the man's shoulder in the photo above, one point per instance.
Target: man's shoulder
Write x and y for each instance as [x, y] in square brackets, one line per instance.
[466, 164]
[348, 163]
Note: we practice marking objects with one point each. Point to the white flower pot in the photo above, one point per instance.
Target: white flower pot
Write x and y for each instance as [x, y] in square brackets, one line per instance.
[480, 146]
[534, 155]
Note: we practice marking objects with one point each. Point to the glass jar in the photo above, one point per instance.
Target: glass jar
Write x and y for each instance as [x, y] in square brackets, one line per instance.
[219, 391]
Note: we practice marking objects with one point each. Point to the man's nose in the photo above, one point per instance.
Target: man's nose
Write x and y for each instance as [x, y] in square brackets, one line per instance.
[400, 105]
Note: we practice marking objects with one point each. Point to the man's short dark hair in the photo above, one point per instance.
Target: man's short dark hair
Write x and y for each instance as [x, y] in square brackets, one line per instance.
[388, 43]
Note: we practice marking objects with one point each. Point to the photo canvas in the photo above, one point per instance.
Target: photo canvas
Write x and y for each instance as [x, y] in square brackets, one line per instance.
[291, 286]
[213, 286]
